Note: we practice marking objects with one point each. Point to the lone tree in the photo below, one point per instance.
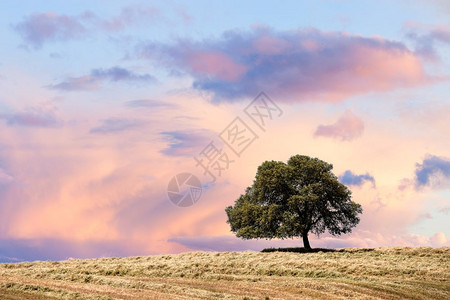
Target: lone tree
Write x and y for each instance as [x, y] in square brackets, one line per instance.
[293, 199]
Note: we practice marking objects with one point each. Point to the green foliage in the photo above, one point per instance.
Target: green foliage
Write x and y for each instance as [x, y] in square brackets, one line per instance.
[292, 199]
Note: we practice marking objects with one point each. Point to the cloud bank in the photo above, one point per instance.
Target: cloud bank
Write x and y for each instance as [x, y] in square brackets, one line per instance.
[298, 65]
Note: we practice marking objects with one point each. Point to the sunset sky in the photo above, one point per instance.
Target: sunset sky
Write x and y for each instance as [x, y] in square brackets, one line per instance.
[103, 102]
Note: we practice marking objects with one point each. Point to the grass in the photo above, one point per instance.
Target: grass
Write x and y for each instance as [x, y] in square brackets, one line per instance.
[386, 273]
[304, 250]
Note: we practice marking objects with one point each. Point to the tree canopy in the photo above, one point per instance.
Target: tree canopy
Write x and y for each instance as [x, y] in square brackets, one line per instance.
[293, 199]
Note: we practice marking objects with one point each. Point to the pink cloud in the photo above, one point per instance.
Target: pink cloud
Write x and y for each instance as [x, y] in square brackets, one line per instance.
[33, 117]
[43, 27]
[215, 64]
[5, 177]
[348, 127]
[304, 65]
[97, 76]
[77, 83]
[85, 193]
[38, 28]
[115, 125]
[267, 44]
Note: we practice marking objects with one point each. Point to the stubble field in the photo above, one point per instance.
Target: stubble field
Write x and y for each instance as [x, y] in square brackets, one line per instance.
[387, 273]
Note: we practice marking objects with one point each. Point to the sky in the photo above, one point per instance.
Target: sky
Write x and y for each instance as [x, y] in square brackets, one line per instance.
[110, 110]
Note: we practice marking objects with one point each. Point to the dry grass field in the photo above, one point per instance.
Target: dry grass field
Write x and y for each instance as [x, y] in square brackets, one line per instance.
[386, 273]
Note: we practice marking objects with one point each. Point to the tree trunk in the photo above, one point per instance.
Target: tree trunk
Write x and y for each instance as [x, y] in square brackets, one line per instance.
[306, 241]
